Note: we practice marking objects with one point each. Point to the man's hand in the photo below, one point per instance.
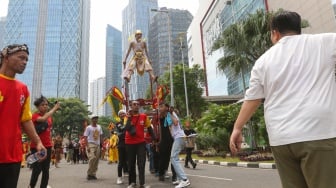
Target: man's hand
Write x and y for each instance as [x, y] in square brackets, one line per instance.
[40, 148]
[236, 141]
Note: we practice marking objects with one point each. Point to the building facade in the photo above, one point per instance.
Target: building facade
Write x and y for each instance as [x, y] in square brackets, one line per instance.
[319, 13]
[214, 16]
[136, 16]
[57, 34]
[2, 31]
[169, 24]
[218, 17]
[97, 95]
[113, 62]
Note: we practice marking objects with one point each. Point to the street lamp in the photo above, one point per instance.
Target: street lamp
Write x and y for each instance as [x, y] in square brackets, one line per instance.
[170, 55]
[181, 35]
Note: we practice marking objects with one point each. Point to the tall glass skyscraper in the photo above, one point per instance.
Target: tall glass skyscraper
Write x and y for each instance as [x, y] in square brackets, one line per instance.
[234, 12]
[113, 61]
[158, 39]
[2, 31]
[97, 95]
[57, 34]
[136, 16]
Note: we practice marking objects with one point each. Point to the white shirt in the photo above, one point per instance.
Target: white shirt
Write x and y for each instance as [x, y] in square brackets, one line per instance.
[93, 134]
[297, 79]
[176, 130]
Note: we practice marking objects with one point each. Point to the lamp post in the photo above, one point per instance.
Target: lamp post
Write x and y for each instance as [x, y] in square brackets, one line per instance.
[181, 35]
[170, 56]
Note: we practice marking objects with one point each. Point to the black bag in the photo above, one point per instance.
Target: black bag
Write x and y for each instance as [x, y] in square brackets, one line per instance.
[131, 128]
[40, 127]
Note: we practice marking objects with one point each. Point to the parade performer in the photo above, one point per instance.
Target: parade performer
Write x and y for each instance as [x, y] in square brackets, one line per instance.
[140, 59]
[113, 150]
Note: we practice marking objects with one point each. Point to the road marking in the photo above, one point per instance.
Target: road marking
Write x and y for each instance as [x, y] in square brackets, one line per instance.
[209, 177]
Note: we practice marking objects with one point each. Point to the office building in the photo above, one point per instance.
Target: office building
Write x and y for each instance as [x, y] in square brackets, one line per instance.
[319, 13]
[214, 16]
[2, 31]
[165, 25]
[113, 62]
[57, 33]
[97, 95]
[136, 15]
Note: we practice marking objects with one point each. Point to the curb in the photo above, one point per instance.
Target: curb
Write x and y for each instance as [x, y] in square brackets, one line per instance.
[237, 164]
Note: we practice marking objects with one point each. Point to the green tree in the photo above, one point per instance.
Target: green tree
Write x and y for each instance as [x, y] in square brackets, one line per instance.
[244, 42]
[216, 125]
[194, 82]
[71, 118]
[105, 121]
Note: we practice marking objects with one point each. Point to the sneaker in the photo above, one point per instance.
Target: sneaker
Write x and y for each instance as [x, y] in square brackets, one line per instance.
[186, 166]
[194, 165]
[144, 186]
[119, 180]
[183, 183]
[90, 177]
[167, 176]
[176, 182]
[132, 185]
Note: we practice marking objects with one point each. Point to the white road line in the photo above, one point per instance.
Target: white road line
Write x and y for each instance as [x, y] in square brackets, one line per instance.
[209, 177]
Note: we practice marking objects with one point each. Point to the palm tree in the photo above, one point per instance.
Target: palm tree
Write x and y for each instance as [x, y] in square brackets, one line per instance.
[244, 42]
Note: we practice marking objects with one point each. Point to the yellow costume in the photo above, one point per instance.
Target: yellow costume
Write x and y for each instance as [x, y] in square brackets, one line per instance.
[113, 150]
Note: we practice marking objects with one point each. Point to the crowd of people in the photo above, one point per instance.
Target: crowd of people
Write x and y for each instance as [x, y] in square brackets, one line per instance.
[295, 79]
[158, 140]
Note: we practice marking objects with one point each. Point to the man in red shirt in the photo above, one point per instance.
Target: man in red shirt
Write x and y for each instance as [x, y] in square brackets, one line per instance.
[135, 143]
[14, 114]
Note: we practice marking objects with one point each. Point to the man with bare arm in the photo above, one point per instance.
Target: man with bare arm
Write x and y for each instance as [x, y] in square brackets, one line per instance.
[140, 59]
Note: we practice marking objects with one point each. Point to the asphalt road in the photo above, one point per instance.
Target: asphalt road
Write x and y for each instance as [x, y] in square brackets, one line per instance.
[73, 176]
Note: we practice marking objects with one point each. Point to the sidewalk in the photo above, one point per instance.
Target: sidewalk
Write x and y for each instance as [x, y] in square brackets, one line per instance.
[237, 164]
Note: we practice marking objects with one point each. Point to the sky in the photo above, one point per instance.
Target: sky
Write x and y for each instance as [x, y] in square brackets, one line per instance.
[105, 12]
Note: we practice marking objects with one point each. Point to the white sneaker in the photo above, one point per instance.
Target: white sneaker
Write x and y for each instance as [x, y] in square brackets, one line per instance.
[183, 183]
[119, 180]
[176, 182]
[132, 185]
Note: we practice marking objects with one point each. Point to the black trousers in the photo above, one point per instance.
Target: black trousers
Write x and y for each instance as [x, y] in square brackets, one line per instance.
[122, 163]
[9, 174]
[39, 167]
[164, 157]
[136, 153]
[188, 157]
[156, 158]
